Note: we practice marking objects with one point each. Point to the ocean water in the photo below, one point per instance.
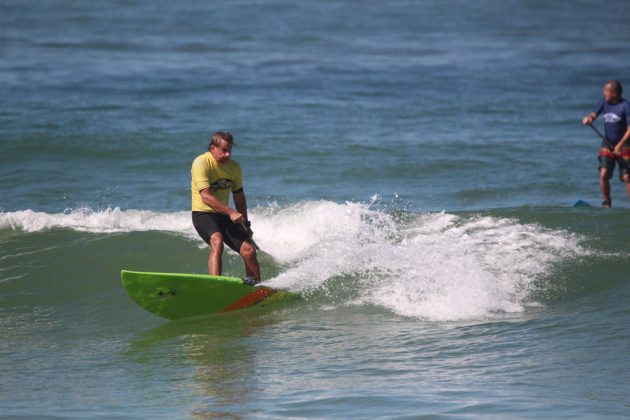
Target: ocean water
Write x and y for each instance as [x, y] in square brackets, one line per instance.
[410, 168]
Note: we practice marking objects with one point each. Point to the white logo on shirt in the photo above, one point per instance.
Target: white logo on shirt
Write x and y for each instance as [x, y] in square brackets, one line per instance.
[611, 118]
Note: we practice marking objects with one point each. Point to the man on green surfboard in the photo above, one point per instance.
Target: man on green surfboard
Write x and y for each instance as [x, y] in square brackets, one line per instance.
[214, 175]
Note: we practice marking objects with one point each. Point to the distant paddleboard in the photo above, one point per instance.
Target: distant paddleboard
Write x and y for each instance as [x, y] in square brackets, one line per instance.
[582, 203]
[174, 296]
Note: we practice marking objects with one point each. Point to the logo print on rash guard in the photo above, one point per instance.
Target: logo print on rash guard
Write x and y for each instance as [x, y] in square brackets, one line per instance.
[611, 118]
[221, 184]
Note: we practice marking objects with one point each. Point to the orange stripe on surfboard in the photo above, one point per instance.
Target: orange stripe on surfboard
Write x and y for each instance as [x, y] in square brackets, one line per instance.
[250, 299]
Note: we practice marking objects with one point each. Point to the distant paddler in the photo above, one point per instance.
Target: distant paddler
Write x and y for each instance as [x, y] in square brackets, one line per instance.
[214, 176]
[615, 145]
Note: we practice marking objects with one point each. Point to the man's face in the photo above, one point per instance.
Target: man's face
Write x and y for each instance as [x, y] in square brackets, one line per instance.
[610, 95]
[222, 152]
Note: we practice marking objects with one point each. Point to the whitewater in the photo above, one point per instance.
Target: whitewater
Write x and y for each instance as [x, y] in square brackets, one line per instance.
[435, 266]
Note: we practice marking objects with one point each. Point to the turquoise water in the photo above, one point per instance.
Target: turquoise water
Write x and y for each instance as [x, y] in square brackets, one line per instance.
[410, 167]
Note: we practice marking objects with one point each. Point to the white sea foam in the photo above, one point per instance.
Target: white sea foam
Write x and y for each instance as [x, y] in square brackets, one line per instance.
[435, 266]
[104, 221]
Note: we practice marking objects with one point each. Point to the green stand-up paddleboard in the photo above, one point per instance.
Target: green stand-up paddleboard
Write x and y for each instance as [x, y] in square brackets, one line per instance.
[174, 296]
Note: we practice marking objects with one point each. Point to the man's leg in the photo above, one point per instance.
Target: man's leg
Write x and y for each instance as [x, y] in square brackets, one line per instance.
[604, 185]
[624, 168]
[626, 180]
[216, 251]
[248, 252]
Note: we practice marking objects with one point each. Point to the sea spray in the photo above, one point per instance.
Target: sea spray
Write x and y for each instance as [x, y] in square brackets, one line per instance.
[435, 266]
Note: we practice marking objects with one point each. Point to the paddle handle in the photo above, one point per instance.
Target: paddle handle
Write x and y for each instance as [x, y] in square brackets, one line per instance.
[601, 135]
[250, 236]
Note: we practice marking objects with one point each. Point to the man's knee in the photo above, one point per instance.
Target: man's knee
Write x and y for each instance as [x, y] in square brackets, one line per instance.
[626, 177]
[604, 174]
[248, 251]
[216, 242]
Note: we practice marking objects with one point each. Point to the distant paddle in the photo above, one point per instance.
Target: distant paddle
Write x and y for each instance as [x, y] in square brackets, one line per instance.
[601, 136]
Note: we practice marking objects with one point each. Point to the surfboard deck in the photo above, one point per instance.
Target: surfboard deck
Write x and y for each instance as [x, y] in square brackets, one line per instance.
[178, 295]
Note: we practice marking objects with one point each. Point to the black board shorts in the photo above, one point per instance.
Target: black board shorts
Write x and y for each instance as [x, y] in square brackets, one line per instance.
[207, 223]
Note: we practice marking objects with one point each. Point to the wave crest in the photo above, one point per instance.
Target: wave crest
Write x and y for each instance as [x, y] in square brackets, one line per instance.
[436, 266]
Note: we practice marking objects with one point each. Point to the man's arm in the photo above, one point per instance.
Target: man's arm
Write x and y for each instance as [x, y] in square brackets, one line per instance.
[211, 200]
[240, 202]
[593, 115]
[589, 118]
[623, 141]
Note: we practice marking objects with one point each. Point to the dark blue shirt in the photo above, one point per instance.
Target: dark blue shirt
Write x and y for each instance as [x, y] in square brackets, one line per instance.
[616, 119]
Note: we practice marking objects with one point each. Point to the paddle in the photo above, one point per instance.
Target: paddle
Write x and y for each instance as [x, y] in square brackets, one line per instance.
[250, 237]
[601, 136]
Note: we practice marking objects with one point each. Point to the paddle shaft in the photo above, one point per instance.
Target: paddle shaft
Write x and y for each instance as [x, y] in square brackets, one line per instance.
[601, 136]
[250, 236]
